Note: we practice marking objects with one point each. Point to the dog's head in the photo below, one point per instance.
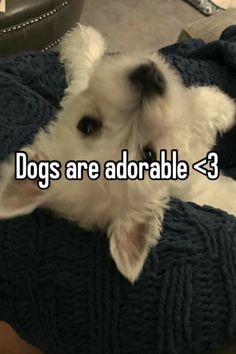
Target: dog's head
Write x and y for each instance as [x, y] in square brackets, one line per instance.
[112, 103]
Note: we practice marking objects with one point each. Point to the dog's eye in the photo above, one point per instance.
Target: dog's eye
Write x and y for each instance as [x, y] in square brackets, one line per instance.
[89, 125]
[148, 155]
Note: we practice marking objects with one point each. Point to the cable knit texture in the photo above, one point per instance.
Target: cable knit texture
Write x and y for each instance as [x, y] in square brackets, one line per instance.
[60, 289]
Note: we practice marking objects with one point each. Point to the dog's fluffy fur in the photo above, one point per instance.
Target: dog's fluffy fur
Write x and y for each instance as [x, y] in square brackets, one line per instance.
[172, 117]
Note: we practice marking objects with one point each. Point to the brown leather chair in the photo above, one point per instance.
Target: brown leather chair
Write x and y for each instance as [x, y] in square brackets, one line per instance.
[29, 25]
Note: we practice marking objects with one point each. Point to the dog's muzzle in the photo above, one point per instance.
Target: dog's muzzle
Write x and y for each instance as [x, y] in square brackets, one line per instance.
[149, 80]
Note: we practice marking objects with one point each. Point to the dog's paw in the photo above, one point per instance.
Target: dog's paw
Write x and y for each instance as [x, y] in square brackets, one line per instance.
[80, 51]
[81, 43]
[213, 111]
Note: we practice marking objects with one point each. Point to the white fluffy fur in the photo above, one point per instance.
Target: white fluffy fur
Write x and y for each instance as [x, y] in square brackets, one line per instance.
[130, 211]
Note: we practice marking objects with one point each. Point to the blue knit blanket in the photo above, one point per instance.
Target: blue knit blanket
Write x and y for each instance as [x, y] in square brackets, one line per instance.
[60, 289]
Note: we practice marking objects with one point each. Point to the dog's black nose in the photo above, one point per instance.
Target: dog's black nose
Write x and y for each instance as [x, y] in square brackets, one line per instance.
[149, 80]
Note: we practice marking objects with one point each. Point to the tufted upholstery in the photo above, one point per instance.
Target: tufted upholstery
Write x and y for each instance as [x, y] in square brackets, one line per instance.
[36, 24]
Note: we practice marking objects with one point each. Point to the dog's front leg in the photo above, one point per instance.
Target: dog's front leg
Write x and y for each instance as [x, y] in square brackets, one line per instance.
[80, 52]
[212, 112]
[220, 193]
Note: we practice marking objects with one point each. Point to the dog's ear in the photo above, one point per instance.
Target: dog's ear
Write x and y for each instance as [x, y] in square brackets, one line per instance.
[129, 249]
[80, 51]
[18, 197]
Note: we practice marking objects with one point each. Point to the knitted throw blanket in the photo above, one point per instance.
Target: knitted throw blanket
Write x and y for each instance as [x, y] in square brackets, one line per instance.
[60, 289]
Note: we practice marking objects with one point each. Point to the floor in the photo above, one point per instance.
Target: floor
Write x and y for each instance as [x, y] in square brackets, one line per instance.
[139, 24]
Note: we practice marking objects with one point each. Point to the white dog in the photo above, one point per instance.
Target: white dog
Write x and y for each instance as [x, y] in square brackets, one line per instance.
[120, 102]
